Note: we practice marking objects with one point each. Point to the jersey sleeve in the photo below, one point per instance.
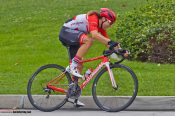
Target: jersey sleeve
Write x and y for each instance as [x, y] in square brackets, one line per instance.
[93, 23]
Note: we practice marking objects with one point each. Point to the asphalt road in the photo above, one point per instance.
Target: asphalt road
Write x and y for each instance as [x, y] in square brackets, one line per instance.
[78, 112]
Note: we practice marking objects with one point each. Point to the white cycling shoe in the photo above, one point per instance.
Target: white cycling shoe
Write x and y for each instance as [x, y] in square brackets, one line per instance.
[78, 104]
[73, 71]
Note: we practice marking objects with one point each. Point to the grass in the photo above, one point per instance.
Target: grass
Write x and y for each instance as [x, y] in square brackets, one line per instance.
[29, 38]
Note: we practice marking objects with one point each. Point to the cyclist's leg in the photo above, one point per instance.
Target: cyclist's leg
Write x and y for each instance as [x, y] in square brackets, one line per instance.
[75, 38]
[71, 38]
[85, 44]
[72, 51]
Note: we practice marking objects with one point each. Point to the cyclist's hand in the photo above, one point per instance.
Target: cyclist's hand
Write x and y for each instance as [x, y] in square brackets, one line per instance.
[117, 47]
[113, 45]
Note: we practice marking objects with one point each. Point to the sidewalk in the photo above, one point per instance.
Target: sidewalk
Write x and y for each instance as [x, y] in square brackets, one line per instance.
[140, 103]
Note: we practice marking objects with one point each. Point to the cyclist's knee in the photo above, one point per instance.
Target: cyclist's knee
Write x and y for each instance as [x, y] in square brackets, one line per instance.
[88, 41]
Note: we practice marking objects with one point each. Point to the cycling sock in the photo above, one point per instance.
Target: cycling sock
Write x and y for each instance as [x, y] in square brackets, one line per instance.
[75, 61]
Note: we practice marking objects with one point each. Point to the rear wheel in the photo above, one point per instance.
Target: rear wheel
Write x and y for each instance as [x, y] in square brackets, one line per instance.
[42, 97]
[111, 99]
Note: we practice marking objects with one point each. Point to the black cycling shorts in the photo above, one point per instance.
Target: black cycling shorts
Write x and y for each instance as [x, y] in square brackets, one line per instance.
[70, 38]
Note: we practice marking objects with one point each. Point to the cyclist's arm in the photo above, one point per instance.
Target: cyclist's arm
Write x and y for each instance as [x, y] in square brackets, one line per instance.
[94, 30]
[96, 35]
[102, 38]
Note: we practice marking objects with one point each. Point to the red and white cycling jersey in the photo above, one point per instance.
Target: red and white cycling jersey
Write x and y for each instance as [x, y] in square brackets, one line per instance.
[85, 24]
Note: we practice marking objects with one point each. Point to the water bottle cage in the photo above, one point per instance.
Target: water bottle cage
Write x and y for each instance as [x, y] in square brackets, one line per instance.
[87, 73]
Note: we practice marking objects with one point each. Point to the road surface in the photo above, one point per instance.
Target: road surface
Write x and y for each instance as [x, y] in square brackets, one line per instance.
[80, 112]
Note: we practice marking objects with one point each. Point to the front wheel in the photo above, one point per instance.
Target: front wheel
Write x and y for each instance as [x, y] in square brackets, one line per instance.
[113, 99]
[42, 97]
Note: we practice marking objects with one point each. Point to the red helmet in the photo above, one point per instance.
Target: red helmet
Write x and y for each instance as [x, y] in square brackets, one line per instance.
[109, 14]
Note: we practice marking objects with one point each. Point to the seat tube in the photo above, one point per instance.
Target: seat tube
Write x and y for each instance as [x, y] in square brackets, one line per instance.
[111, 75]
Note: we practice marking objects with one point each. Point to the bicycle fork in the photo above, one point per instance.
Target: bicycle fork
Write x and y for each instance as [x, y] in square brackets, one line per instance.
[114, 85]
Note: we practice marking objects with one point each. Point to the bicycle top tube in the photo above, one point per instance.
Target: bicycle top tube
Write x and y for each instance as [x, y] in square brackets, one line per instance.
[93, 59]
[104, 57]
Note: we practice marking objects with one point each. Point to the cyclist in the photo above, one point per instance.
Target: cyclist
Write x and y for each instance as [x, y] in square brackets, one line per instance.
[79, 33]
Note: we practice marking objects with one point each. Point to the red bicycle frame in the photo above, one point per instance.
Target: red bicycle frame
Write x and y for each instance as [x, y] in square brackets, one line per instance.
[105, 62]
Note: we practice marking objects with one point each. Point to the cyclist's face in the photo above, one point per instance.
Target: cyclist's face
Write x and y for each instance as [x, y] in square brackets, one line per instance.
[106, 24]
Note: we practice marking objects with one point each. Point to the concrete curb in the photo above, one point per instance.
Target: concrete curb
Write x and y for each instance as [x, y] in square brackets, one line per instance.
[140, 103]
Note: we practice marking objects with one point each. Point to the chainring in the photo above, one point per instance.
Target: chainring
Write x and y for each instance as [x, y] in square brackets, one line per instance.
[74, 91]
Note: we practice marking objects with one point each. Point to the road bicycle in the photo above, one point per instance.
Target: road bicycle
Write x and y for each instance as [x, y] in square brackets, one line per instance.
[114, 88]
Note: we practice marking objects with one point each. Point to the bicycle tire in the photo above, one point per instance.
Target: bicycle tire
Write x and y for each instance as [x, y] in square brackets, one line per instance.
[35, 95]
[120, 95]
